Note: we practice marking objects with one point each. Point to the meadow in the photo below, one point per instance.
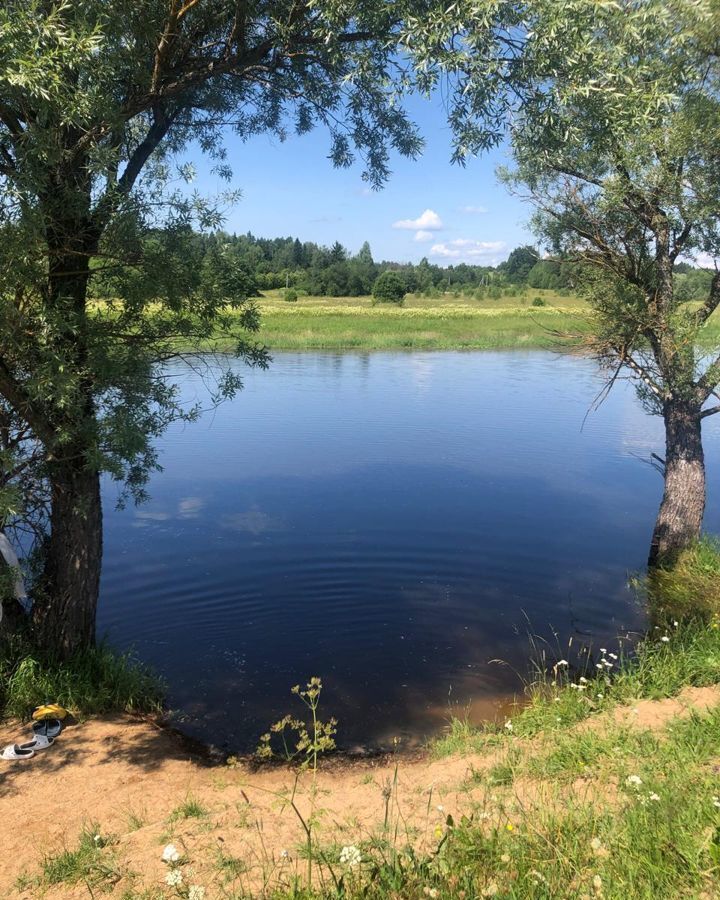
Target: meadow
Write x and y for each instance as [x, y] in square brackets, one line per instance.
[448, 322]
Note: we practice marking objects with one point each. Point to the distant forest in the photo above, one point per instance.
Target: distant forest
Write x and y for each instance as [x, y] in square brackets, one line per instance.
[305, 267]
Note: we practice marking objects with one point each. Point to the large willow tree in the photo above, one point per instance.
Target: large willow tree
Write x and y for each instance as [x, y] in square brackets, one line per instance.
[613, 111]
[98, 101]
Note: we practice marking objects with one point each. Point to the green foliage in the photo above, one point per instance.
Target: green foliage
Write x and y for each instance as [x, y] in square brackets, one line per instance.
[93, 681]
[538, 301]
[290, 295]
[311, 740]
[519, 264]
[389, 288]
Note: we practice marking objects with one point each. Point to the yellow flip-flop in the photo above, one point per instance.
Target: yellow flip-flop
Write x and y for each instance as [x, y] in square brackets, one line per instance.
[49, 711]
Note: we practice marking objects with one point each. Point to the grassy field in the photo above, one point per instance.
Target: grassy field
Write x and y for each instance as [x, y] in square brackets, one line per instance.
[447, 323]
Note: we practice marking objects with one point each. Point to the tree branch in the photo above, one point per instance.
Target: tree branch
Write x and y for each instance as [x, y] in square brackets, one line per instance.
[19, 400]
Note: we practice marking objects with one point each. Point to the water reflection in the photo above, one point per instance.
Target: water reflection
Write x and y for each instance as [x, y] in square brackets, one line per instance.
[395, 523]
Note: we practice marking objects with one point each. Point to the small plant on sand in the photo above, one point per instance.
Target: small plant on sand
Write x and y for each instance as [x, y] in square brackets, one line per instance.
[89, 862]
[190, 809]
[310, 739]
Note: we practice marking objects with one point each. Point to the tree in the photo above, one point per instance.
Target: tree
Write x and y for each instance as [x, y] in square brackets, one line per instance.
[518, 265]
[97, 102]
[613, 110]
[389, 287]
[365, 255]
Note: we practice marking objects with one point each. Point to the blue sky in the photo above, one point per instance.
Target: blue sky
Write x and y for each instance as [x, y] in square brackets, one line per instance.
[428, 208]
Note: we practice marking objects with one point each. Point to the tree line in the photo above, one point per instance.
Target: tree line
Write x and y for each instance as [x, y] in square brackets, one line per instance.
[319, 271]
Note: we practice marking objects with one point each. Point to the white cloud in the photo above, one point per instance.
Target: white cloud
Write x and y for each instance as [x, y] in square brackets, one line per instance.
[472, 251]
[423, 236]
[474, 209]
[428, 221]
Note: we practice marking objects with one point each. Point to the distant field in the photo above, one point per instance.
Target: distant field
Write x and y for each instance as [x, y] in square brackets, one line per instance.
[345, 323]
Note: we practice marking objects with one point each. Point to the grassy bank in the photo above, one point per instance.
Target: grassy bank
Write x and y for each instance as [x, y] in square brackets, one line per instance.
[94, 681]
[602, 787]
[447, 323]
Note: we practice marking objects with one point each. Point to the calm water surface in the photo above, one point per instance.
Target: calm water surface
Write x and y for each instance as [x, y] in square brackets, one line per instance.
[396, 523]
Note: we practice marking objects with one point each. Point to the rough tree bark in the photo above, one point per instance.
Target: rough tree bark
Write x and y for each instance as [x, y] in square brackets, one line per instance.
[64, 610]
[683, 504]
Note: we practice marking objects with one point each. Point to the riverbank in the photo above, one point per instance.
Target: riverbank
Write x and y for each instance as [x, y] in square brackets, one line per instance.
[574, 796]
[445, 323]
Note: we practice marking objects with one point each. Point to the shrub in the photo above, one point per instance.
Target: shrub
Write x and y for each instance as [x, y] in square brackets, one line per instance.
[538, 301]
[291, 295]
[389, 288]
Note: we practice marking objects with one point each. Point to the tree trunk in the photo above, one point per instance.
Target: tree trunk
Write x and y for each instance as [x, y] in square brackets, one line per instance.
[64, 612]
[683, 504]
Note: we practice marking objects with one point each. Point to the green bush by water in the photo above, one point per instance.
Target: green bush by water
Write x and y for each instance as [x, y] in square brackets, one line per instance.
[94, 681]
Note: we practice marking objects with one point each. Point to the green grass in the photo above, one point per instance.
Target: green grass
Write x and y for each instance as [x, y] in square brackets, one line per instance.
[189, 809]
[90, 862]
[447, 323]
[94, 681]
[690, 586]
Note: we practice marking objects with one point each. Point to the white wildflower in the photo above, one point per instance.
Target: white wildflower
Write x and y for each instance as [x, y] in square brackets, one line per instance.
[665, 639]
[596, 843]
[654, 797]
[716, 802]
[491, 890]
[603, 650]
[284, 854]
[170, 854]
[613, 655]
[505, 858]
[600, 696]
[509, 725]
[597, 884]
[430, 892]
[633, 781]
[562, 662]
[350, 856]
[196, 892]
[583, 680]
[440, 807]
[174, 878]
[676, 624]
[97, 839]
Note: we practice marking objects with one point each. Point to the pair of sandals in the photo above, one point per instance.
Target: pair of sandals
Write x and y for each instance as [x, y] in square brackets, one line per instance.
[44, 733]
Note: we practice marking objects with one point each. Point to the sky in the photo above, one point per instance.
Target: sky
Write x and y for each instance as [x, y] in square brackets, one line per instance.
[429, 207]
